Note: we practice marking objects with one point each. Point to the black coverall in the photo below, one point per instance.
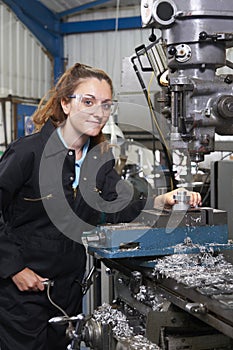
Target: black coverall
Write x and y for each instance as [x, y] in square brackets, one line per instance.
[34, 177]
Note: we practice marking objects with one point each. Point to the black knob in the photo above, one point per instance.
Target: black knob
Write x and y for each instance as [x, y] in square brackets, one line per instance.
[172, 50]
[152, 37]
[203, 36]
[228, 79]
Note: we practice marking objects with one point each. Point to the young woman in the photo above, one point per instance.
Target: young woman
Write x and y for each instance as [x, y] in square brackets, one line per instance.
[55, 184]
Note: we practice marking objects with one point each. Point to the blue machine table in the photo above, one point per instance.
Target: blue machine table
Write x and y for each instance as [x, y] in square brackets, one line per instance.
[162, 233]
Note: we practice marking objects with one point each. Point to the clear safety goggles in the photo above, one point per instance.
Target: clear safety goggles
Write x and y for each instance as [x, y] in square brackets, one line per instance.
[90, 104]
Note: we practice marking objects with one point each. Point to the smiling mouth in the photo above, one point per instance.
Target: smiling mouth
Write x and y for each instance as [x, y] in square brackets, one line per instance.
[98, 122]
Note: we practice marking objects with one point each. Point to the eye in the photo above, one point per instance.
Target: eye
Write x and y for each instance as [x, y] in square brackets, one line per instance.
[88, 101]
[106, 106]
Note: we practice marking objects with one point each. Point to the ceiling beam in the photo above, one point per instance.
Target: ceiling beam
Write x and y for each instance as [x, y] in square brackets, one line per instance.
[101, 25]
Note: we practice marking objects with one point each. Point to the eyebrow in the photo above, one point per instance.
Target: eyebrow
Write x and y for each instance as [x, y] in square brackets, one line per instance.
[92, 96]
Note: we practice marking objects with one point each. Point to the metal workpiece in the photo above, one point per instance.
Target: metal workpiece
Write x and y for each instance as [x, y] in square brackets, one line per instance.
[182, 199]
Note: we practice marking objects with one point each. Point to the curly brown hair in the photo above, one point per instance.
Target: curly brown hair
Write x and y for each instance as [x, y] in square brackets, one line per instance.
[50, 105]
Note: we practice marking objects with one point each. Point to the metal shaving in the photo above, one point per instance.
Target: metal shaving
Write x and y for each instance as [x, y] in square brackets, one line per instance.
[138, 342]
[211, 274]
[105, 314]
[148, 297]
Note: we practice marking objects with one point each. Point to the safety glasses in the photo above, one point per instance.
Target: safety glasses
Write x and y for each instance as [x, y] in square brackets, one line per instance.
[91, 105]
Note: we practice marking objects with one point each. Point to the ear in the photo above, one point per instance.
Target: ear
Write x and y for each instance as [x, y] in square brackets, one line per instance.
[65, 106]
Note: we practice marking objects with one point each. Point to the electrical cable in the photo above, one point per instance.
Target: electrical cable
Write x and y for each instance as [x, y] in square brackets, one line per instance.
[145, 91]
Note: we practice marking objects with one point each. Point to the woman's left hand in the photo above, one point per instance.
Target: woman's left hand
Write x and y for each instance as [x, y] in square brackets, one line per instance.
[167, 200]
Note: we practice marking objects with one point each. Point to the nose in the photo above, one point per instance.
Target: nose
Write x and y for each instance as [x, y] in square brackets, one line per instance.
[98, 110]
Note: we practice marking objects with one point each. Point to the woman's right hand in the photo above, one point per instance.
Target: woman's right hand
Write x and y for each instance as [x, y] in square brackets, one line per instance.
[28, 280]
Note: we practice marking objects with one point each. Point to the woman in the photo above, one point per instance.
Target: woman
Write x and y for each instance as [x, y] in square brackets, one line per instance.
[53, 185]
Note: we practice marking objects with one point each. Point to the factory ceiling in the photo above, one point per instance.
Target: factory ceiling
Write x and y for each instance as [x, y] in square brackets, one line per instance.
[71, 7]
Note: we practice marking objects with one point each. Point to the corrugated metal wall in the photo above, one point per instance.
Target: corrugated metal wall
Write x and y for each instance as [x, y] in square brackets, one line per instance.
[105, 50]
[25, 68]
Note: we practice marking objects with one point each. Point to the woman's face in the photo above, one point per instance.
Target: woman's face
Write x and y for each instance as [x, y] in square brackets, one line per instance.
[89, 107]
